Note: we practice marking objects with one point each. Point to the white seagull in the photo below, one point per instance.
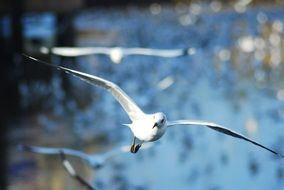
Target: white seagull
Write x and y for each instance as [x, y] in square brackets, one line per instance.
[146, 127]
[93, 160]
[96, 161]
[116, 54]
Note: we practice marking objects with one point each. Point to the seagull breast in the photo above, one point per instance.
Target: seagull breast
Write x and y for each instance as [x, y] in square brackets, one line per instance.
[144, 131]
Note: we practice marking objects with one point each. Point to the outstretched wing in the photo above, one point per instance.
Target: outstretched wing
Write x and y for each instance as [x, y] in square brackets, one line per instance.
[220, 129]
[82, 51]
[75, 51]
[125, 101]
[53, 151]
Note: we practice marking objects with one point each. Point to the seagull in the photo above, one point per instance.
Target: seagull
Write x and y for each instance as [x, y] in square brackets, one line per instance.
[146, 127]
[95, 161]
[90, 159]
[116, 54]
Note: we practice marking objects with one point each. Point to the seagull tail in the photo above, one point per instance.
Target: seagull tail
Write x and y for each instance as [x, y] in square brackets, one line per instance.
[128, 125]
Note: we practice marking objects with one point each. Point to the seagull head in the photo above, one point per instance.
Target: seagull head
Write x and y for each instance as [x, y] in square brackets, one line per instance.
[160, 120]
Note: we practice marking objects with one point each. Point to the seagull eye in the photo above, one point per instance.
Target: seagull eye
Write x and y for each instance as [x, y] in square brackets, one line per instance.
[163, 120]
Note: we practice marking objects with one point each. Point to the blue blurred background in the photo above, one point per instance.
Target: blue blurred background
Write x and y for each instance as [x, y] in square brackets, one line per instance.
[235, 78]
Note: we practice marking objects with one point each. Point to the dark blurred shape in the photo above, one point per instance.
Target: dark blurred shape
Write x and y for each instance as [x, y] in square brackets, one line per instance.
[23, 168]
[6, 6]
[280, 173]
[90, 3]
[253, 167]
[5, 92]
[224, 158]
[11, 47]
[66, 34]
[61, 6]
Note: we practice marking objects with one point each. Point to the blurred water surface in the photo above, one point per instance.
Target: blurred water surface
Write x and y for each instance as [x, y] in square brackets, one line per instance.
[235, 78]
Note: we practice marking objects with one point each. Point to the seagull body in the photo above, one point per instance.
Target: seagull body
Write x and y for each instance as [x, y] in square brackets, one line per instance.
[143, 127]
[146, 127]
[116, 54]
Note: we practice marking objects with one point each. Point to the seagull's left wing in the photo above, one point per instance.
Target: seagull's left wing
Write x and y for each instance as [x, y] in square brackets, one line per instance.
[125, 101]
[53, 151]
[75, 51]
[220, 129]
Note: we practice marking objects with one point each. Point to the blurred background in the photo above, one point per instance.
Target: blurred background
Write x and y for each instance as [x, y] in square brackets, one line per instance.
[235, 78]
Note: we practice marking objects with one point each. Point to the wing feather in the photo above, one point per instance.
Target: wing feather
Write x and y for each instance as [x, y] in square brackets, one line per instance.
[220, 129]
[125, 101]
[53, 151]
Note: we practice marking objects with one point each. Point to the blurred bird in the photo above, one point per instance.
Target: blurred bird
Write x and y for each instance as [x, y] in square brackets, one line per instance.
[146, 127]
[116, 54]
[95, 161]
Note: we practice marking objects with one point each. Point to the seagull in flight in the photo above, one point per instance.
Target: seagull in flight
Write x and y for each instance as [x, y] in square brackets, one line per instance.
[116, 54]
[147, 127]
[95, 161]
[92, 160]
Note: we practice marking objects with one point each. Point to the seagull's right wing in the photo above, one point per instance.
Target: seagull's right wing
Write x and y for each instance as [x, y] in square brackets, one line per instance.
[125, 101]
[220, 129]
[49, 150]
[75, 51]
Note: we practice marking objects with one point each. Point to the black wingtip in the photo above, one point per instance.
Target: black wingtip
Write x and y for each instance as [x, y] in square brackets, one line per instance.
[43, 62]
[24, 148]
[185, 52]
[188, 51]
[62, 155]
[274, 152]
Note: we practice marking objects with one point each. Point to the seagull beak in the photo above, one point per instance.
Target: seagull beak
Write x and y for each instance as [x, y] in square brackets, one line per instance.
[155, 125]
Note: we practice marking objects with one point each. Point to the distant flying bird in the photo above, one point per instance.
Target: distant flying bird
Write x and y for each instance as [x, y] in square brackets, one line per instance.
[116, 54]
[146, 127]
[62, 152]
[95, 161]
